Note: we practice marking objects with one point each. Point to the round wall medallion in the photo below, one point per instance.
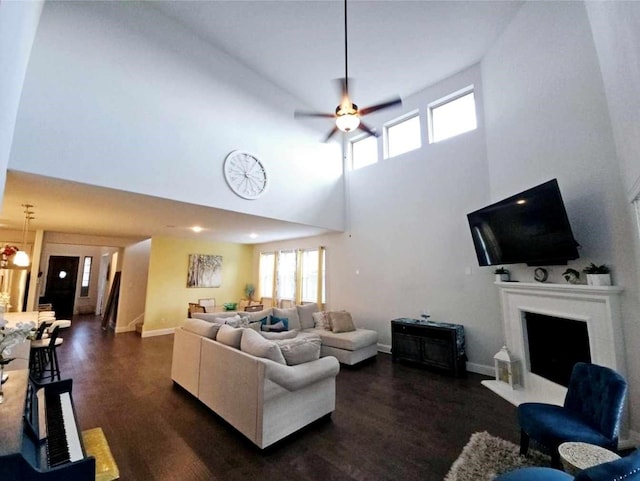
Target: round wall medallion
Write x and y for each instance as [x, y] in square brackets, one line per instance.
[245, 174]
[540, 274]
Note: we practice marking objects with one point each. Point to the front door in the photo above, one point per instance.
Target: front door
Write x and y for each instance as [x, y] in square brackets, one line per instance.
[61, 284]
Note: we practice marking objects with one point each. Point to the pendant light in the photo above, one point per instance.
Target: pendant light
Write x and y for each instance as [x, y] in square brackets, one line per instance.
[21, 258]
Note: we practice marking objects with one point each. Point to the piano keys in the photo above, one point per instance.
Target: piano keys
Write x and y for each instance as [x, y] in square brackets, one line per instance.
[36, 449]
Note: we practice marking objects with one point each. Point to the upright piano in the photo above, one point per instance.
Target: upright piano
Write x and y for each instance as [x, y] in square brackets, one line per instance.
[40, 439]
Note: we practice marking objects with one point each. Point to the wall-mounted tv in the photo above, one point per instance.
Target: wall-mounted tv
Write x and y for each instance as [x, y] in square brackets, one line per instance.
[531, 227]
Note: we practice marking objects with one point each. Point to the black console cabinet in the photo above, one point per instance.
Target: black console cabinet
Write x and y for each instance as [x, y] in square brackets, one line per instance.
[434, 344]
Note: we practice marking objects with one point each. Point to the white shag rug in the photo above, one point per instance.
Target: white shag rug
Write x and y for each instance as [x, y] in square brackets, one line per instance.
[486, 456]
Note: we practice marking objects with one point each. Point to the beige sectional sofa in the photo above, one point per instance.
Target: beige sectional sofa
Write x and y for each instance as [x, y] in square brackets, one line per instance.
[350, 347]
[263, 399]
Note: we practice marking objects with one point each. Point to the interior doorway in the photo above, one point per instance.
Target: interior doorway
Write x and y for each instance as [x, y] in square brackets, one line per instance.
[60, 289]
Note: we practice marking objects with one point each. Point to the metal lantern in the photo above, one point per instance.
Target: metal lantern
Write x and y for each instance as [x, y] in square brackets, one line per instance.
[508, 368]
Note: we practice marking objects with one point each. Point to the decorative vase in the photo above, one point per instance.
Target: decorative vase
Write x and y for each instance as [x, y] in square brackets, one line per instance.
[599, 279]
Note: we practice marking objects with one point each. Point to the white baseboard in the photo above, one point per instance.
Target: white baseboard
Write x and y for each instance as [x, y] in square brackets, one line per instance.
[120, 329]
[481, 369]
[384, 348]
[158, 332]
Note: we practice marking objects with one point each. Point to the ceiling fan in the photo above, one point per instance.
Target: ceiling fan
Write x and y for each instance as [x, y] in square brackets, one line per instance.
[347, 115]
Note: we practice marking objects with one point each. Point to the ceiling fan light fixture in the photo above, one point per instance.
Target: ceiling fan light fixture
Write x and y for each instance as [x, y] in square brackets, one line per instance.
[347, 122]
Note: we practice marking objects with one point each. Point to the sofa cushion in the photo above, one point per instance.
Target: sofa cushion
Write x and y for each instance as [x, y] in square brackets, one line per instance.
[321, 320]
[341, 322]
[349, 341]
[259, 315]
[298, 351]
[305, 314]
[229, 336]
[212, 316]
[201, 328]
[256, 345]
[291, 314]
[277, 321]
[276, 336]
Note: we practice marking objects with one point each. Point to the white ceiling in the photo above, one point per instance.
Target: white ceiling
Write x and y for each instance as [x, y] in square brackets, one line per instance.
[395, 48]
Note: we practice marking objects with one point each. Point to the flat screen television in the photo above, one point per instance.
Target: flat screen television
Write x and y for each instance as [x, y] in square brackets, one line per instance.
[531, 227]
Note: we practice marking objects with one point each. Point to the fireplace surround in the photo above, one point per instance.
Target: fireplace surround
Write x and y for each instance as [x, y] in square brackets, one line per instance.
[596, 306]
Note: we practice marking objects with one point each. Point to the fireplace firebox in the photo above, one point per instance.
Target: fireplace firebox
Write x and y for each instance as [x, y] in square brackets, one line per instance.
[554, 345]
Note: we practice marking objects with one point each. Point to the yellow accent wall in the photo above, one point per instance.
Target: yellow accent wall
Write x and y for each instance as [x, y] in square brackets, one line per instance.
[167, 293]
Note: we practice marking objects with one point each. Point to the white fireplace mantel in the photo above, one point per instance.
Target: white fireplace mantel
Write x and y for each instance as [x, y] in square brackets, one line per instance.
[598, 306]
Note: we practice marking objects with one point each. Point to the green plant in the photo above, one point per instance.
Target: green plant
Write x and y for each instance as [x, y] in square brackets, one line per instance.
[594, 269]
[230, 306]
[249, 290]
[501, 270]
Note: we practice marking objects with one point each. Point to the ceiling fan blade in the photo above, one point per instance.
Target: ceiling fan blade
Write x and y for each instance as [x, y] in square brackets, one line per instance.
[367, 129]
[331, 134]
[384, 105]
[299, 114]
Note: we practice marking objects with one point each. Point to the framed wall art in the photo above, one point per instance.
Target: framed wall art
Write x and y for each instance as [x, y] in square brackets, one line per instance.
[204, 270]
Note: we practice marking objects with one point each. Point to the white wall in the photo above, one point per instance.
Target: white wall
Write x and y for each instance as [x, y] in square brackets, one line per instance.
[547, 117]
[408, 246]
[133, 285]
[616, 33]
[123, 97]
[18, 25]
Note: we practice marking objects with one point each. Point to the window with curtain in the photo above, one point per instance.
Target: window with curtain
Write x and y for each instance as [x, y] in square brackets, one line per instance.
[286, 275]
[299, 275]
[312, 274]
[267, 270]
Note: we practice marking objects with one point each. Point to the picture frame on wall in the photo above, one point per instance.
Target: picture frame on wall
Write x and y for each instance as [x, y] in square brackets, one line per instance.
[204, 270]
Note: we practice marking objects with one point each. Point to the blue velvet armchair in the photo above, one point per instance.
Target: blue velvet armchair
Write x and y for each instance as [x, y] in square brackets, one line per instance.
[591, 413]
[623, 469]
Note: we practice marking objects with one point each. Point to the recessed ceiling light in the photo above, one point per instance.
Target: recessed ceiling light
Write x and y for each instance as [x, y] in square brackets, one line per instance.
[196, 228]
[521, 201]
[253, 235]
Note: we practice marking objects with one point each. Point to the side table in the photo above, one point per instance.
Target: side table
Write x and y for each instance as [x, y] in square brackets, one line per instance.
[578, 456]
[433, 344]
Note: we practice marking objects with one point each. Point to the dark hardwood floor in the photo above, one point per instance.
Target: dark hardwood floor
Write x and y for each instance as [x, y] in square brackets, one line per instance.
[392, 421]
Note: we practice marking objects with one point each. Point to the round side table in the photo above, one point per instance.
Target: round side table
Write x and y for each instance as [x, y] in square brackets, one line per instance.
[578, 456]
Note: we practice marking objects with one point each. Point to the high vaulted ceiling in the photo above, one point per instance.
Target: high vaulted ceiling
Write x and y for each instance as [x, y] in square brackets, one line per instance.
[395, 48]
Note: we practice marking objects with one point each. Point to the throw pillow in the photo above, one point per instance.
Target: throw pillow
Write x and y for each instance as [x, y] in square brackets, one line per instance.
[277, 327]
[201, 328]
[321, 320]
[233, 321]
[305, 314]
[298, 351]
[229, 336]
[255, 326]
[275, 336]
[256, 345]
[291, 313]
[341, 322]
[279, 320]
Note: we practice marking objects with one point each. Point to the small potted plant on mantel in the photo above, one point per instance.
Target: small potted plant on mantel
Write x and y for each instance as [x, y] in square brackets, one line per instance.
[502, 274]
[597, 275]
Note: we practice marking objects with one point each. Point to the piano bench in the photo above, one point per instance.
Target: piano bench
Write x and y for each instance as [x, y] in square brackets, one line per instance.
[95, 444]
